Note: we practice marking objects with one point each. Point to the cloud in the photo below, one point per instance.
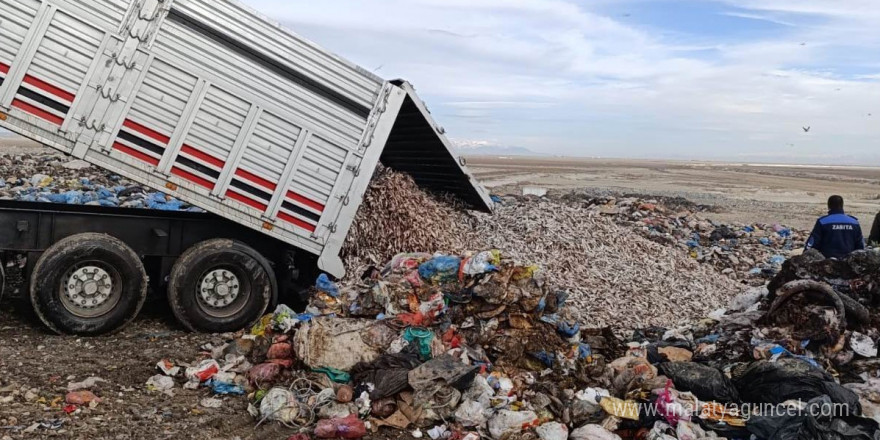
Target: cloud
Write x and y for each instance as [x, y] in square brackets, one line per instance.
[577, 78]
[759, 17]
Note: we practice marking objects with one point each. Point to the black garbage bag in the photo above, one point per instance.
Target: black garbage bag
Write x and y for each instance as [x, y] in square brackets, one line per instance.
[706, 383]
[792, 379]
[389, 373]
[820, 420]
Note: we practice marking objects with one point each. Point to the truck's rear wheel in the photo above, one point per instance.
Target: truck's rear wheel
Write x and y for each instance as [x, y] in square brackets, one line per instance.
[220, 286]
[88, 284]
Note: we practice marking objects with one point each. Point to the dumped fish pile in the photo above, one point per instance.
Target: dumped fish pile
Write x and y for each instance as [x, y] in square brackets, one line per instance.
[53, 178]
[752, 252]
[615, 277]
[398, 216]
[478, 346]
[609, 270]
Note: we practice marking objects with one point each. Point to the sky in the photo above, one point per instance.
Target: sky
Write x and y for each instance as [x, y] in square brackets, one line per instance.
[679, 79]
[689, 79]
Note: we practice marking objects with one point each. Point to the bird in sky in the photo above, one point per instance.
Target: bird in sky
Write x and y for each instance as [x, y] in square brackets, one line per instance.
[807, 129]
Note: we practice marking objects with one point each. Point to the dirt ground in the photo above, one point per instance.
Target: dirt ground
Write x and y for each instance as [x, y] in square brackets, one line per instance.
[743, 193]
[35, 366]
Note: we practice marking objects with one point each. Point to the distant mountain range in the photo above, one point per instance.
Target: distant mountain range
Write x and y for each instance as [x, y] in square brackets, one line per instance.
[483, 148]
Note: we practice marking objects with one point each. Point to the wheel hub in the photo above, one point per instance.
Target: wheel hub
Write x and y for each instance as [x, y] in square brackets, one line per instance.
[89, 287]
[219, 288]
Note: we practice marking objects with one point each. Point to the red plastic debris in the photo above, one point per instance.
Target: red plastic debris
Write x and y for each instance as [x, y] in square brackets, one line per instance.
[264, 373]
[281, 350]
[81, 398]
[349, 428]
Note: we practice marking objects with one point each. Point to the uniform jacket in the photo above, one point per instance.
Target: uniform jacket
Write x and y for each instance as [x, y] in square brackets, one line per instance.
[836, 235]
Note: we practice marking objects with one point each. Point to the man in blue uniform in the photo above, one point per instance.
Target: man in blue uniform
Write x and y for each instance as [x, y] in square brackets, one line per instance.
[836, 235]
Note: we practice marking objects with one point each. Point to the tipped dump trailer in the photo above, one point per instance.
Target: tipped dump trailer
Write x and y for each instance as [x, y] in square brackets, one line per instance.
[212, 103]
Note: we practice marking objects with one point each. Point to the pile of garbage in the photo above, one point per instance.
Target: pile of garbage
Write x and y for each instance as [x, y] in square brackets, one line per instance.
[477, 346]
[753, 252]
[53, 178]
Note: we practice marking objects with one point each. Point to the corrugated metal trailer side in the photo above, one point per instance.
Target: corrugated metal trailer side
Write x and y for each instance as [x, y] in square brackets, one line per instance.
[218, 106]
[214, 104]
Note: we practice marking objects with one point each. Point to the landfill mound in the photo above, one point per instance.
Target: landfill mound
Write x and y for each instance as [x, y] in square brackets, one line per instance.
[751, 252]
[478, 346]
[609, 271]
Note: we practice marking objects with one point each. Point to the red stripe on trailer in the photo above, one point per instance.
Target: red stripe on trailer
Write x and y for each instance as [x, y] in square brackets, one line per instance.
[146, 131]
[192, 178]
[202, 156]
[256, 179]
[296, 222]
[49, 88]
[4, 69]
[36, 111]
[301, 199]
[136, 154]
[246, 200]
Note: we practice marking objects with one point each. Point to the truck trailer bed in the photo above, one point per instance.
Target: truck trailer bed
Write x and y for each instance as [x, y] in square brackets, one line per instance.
[215, 104]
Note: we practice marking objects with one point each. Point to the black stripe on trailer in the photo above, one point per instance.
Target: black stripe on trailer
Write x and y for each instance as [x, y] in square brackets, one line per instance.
[195, 166]
[143, 143]
[268, 62]
[42, 100]
[251, 190]
[1, 80]
[302, 212]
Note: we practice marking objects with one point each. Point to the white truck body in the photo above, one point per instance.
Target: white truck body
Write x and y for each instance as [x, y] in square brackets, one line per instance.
[218, 106]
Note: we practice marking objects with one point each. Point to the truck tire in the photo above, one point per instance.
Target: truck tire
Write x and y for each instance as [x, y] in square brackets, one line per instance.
[88, 284]
[220, 286]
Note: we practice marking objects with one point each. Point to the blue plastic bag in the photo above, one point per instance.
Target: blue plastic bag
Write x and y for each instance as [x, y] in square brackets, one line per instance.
[547, 359]
[584, 351]
[325, 285]
[440, 269]
[68, 198]
[568, 329]
[105, 193]
[224, 388]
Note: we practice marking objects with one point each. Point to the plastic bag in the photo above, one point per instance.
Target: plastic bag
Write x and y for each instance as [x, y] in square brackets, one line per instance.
[800, 425]
[440, 269]
[280, 405]
[506, 423]
[204, 371]
[348, 428]
[552, 431]
[389, 374]
[706, 383]
[325, 285]
[422, 337]
[225, 388]
[483, 262]
[335, 375]
[791, 379]
[593, 432]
